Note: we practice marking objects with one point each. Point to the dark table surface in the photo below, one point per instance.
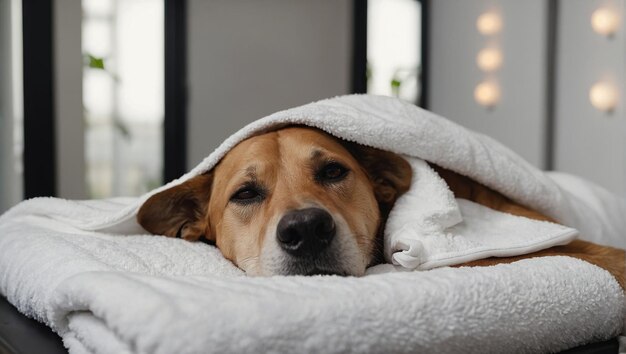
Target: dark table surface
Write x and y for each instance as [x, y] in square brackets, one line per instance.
[20, 334]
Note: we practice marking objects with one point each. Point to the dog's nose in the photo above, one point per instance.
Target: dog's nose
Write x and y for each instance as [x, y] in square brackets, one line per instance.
[305, 232]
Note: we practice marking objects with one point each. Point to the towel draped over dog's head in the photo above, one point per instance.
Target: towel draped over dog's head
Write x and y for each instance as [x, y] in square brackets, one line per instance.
[364, 136]
[291, 201]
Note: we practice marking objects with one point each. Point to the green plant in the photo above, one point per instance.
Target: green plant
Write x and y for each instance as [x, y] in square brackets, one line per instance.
[98, 63]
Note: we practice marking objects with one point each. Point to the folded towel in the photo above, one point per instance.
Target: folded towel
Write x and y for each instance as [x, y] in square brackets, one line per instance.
[483, 233]
[427, 208]
[428, 227]
[88, 270]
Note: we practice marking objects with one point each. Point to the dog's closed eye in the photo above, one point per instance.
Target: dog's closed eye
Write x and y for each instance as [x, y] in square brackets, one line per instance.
[248, 194]
[332, 172]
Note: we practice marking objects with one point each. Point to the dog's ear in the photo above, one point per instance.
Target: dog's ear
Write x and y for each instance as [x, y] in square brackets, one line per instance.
[180, 211]
[389, 173]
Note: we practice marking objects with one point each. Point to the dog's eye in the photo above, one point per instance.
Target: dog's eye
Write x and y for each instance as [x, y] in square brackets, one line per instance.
[332, 172]
[246, 195]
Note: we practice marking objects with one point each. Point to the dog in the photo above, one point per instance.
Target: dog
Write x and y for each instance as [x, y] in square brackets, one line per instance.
[300, 201]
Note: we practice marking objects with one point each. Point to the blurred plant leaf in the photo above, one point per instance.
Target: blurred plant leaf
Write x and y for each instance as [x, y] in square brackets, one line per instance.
[94, 62]
[122, 128]
[395, 86]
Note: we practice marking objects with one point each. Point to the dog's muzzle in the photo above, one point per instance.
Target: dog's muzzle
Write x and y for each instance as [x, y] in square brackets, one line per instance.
[305, 232]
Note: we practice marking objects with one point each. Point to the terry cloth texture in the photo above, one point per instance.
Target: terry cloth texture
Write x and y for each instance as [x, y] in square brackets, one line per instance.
[91, 273]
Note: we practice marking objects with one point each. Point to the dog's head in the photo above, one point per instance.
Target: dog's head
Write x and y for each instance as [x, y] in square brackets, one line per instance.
[292, 201]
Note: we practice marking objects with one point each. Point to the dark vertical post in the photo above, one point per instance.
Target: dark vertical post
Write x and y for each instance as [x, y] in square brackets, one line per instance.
[39, 130]
[425, 44]
[550, 83]
[359, 46]
[175, 119]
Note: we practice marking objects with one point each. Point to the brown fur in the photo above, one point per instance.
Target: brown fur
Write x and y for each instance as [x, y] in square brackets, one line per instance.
[179, 211]
[283, 162]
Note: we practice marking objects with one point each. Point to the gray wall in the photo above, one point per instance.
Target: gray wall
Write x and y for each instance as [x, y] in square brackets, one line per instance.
[68, 76]
[250, 58]
[10, 185]
[517, 120]
[589, 143]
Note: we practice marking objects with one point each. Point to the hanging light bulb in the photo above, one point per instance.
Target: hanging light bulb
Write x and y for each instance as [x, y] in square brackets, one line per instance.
[489, 59]
[603, 96]
[489, 23]
[487, 93]
[604, 21]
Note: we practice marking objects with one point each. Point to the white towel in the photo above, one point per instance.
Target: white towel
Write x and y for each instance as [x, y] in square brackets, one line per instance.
[429, 228]
[89, 271]
[397, 126]
[150, 294]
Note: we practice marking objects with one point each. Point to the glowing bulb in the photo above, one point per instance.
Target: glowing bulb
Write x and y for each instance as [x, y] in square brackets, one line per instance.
[487, 94]
[489, 59]
[604, 21]
[489, 23]
[603, 96]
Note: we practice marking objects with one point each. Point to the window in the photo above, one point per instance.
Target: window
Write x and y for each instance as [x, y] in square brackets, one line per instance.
[123, 95]
[394, 48]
